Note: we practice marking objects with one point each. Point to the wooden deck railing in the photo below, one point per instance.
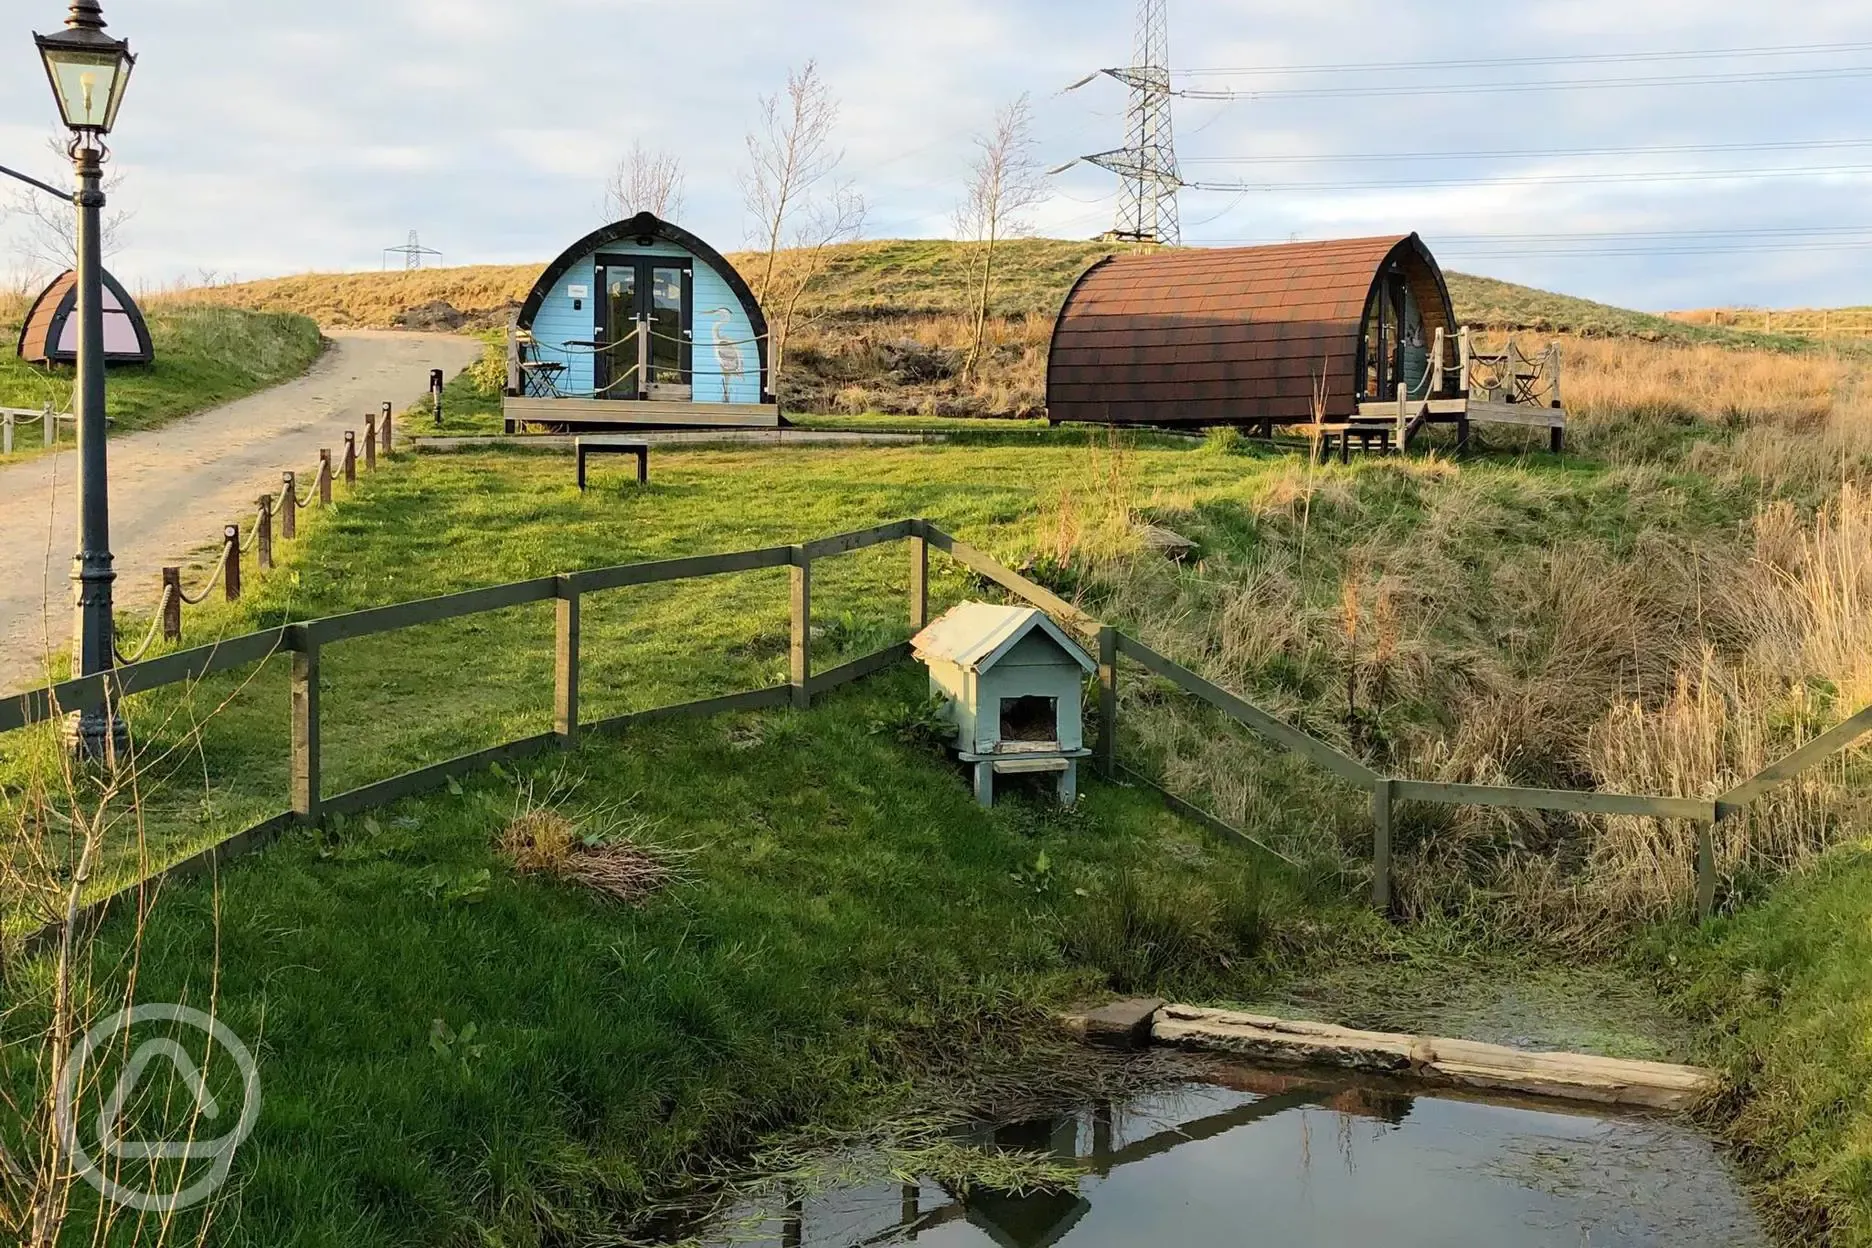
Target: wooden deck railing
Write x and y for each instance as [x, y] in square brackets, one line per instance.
[305, 641]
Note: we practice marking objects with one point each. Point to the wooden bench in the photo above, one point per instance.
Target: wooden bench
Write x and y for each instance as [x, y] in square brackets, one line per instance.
[612, 446]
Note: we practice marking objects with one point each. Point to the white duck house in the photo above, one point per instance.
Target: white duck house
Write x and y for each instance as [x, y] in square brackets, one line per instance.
[1013, 683]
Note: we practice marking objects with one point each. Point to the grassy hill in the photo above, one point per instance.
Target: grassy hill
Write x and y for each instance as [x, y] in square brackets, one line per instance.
[205, 356]
[886, 324]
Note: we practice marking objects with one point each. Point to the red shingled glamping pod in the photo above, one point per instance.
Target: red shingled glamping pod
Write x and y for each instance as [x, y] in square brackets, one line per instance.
[50, 335]
[1203, 336]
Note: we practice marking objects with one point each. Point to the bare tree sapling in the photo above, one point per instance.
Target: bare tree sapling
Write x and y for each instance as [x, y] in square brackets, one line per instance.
[1004, 181]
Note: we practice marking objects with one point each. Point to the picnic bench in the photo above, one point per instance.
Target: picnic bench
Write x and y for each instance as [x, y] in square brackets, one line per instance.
[612, 446]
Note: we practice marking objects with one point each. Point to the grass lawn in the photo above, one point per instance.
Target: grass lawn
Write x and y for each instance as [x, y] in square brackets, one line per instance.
[440, 523]
[205, 356]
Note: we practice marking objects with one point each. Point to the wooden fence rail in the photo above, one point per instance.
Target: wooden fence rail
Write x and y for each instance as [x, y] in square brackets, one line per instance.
[1387, 791]
[306, 641]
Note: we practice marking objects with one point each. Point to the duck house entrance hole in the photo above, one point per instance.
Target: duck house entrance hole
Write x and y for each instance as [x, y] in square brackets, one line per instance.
[1030, 720]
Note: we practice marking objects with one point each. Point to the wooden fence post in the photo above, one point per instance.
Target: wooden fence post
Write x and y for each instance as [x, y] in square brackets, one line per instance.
[802, 628]
[513, 353]
[325, 477]
[1706, 870]
[1382, 793]
[566, 665]
[305, 729]
[919, 582]
[289, 505]
[263, 543]
[350, 458]
[383, 423]
[230, 555]
[1108, 701]
[370, 441]
[172, 604]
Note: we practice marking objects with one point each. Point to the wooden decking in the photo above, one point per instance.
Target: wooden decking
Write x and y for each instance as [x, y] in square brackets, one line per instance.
[640, 413]
[1392, 426]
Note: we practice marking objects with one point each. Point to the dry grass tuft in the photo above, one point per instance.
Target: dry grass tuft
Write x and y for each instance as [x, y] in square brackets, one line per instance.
[605, 850]
[539, 842]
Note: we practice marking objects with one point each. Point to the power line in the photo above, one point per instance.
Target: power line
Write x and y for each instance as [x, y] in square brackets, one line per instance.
[1723, 232]
[1552, 84]
[1563, 253]
[1743, 240]
[1565, 58]
[1727, 232]
[1532, 153]
[1666, 175]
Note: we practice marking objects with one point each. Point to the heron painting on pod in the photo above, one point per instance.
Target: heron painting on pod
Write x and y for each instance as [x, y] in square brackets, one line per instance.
[727, 352]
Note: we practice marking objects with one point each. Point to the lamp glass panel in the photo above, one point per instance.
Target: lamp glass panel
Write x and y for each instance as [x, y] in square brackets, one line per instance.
[89, 85]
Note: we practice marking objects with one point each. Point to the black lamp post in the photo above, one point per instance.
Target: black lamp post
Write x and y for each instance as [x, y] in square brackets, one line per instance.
[89, 71]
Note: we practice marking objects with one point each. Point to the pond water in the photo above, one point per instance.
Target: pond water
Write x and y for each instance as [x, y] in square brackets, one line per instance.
[1267, 1160]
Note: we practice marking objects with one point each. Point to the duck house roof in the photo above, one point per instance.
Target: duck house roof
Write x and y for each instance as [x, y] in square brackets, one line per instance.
[975, 636]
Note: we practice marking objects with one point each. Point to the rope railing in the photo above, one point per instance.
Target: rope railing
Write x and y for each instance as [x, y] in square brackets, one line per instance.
[313, 493]
[155, 628]
[220, 568]
[11, 418]
[717, 342]
[260, 537]
[253, 539]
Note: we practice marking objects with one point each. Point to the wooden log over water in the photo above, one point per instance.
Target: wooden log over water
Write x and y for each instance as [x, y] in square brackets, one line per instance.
[1434, 1060]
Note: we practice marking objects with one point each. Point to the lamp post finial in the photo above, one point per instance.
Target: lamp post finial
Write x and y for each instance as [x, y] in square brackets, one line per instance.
[85, 15]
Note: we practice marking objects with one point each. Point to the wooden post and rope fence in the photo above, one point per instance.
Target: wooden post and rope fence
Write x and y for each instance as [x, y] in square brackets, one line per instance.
[285, 506]
[46, 418]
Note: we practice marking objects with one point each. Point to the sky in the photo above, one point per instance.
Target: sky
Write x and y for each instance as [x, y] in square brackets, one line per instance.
[263, 138]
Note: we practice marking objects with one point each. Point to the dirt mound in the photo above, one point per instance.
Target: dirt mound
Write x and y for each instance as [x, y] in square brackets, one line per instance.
[438, 315]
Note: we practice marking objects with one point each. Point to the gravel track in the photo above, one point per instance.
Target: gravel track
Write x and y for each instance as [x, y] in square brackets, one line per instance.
[173, 488]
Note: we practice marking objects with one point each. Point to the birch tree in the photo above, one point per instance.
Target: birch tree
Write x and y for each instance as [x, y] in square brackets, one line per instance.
[1004, 181]
[793, 195]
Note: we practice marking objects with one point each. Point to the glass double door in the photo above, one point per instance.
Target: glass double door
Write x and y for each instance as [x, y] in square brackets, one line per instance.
[645, 341]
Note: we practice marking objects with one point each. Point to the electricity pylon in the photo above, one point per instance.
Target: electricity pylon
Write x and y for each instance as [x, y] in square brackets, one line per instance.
[1147, 204]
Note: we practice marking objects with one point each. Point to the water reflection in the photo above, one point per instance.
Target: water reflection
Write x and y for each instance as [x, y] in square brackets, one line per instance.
[1235, 1161]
